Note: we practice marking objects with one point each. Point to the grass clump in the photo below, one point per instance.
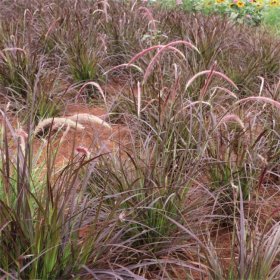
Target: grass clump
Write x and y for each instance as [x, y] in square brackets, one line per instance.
[42, 218]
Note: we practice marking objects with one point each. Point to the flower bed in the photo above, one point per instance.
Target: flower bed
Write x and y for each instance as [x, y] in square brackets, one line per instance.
[243, 11]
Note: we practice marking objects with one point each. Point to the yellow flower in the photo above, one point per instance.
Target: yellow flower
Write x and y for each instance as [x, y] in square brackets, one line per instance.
[259, 3]
[220, 1]
[240, 4]
[274, 3]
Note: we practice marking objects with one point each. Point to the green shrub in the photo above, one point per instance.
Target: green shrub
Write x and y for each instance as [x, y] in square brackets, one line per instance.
[271, 18]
